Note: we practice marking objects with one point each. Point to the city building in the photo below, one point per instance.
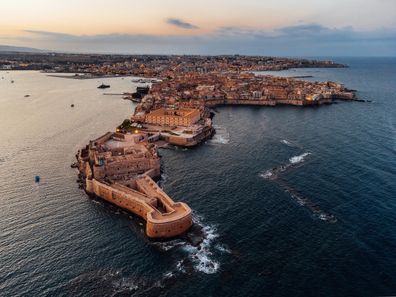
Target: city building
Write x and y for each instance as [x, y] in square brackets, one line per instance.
[173, 117]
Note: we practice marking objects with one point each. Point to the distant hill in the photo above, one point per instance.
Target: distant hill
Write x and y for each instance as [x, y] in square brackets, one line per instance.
[9, 48]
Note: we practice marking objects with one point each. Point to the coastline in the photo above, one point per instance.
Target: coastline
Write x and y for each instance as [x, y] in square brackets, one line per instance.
[175, 109]
[153, 125]
[256, 219]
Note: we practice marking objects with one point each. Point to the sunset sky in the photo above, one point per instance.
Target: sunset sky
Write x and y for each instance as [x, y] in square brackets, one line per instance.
[283, 27]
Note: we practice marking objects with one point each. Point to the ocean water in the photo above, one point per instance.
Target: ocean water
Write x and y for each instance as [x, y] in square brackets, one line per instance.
[292, 201]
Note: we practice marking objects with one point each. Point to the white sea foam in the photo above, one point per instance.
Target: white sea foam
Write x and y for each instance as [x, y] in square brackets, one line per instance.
[222, 249]
[124, 283]
[323, 217]
[284, 141]
[180, 267]
[298, 159]
[168, 245]
[168, 274]
[202, 255]
[267, 175]
[164, 177]
[274, 172]
[221, 136]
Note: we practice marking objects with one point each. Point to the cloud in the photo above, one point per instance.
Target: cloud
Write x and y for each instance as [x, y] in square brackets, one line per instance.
[180, 23]
[297, 40]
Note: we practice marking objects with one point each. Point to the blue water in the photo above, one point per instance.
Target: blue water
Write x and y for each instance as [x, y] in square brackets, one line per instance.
[259, 239]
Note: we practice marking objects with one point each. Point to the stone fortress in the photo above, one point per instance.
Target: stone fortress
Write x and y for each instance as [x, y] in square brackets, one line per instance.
[119, 169]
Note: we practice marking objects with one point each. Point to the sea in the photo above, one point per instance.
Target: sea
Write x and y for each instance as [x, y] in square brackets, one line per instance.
[291, 201]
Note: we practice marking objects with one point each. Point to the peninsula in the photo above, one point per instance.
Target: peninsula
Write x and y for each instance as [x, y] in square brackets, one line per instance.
[120, 167]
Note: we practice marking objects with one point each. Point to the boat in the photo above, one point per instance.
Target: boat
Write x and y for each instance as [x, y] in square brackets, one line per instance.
[103, 86]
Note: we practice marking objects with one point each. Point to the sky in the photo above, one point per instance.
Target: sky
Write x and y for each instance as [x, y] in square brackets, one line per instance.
[253, 27]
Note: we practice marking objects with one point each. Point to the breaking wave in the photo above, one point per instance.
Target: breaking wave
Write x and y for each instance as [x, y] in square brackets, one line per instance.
[298, 159]
[267, 174]
[163, 179]
[200, 245]
[202, 255]
[293, 162]
[284, 141]
[198, 248]
[222, 248]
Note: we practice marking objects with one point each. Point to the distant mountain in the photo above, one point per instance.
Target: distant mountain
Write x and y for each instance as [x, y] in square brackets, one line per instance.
[9, 48]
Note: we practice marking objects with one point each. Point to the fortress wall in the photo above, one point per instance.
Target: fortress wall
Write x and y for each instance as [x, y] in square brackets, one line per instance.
[121, 199]
[127, 167]
[182, 141]
[169, 229]
[155, 164]
[103, 138]
[89, 186]
[98, 172]
[149, 204]
[88, 171]
[154, 172]
[160, 227]
[149, 187]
